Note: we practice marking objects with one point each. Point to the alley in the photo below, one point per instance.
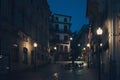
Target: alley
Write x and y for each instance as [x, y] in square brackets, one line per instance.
[53, 72]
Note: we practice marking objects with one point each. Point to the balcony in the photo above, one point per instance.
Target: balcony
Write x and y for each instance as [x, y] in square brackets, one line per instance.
[59, 41]
[59, 31]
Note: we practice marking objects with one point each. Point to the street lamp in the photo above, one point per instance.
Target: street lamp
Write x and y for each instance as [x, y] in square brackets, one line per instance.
[72, 52]
[88, 47]
[71, 38]
[78, 45]
[99, 33]
[35, 46]
[55, 48]
[55, 55]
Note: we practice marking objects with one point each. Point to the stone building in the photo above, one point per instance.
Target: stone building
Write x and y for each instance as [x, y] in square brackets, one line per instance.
[23, 22]
[106, 14]
[83, 41]
[59, 35]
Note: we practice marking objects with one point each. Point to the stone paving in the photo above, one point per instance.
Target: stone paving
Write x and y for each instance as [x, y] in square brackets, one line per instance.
[53, 72]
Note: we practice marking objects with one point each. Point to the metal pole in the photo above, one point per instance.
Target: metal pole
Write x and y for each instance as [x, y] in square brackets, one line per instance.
[35, 60]
[99, 61]
[73, 60]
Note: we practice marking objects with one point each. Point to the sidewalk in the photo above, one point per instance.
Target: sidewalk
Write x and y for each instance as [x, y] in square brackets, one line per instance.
[8, 76]
[93, 75]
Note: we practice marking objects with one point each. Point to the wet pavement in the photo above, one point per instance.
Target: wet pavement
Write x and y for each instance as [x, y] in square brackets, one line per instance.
[53, 72]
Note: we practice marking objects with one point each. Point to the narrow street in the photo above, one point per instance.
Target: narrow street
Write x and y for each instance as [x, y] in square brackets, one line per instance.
[54, 72]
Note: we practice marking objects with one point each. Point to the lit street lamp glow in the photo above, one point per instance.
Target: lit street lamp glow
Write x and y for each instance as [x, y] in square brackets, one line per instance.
[35, 44]
[84, 48]
[99, 31]
[88, 45]
[101, 44]
[71, 38]
[78, 45]
[55, 48]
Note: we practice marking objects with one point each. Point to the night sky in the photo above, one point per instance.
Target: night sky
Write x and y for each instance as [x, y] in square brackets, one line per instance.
[74, 8]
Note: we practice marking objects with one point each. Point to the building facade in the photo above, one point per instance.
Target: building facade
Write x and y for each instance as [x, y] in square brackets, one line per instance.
[21, 24]
[106, 16]
[59, 35]
[83, 41]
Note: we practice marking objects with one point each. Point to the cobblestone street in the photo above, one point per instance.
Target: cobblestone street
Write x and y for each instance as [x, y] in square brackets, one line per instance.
[54, 72]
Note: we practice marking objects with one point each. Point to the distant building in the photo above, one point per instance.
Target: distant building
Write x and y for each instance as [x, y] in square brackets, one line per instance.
[59, 36]
[21, 24]
[82, 42]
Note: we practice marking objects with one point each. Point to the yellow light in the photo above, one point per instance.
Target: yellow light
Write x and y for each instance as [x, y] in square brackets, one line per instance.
[101, 44]
[84, 64]
[78, 44]
[71, 38]
[99, 31]
[55, 48]
[83, 48]
[88, 45]
[35, 44]
[55, 74]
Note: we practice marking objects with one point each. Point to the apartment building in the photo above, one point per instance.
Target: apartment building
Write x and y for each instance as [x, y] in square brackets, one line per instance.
[22, 23]
[60, 36]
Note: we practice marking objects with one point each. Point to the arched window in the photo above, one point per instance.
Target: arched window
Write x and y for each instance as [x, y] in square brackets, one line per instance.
[32, 57]
[25, 55]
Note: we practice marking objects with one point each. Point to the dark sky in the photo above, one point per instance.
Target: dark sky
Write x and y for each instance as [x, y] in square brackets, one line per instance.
[74, 8]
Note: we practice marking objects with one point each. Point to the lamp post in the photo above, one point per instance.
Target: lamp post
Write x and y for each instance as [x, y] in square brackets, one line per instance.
[72, 52]
[88, 46]
[35, 46]
[55, 48]
[99, 33]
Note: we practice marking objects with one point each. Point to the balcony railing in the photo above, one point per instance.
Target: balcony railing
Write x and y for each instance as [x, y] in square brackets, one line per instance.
[59, 31]
[59, 41]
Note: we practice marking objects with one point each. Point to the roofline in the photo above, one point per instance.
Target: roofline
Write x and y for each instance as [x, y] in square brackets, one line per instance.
[61, 15]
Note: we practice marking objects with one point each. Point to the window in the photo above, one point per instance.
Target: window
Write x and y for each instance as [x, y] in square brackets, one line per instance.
[65, 19]
[57, 37]
[65, 38]
[56, 18]
[65, 27]
[25, 55]
[61, 48]
[56, 27]
[66, 48]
